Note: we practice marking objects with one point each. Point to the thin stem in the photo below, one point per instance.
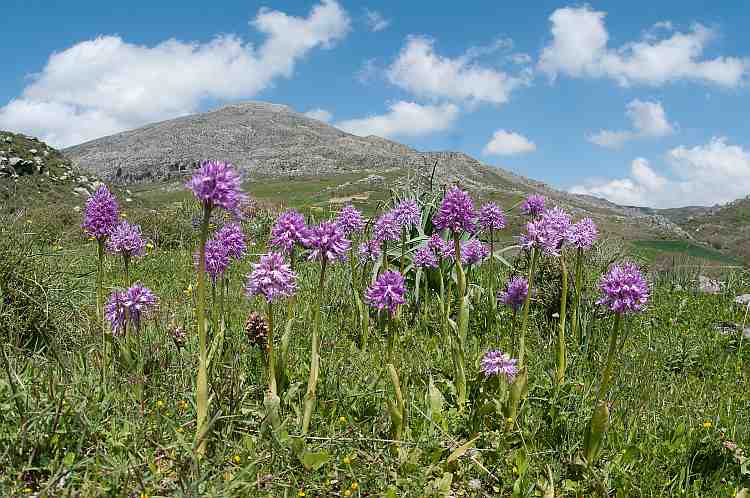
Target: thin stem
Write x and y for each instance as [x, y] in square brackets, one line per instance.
[611, 351]
[100, 279]
[526, 306]
[561, 353]
[462, 320]
[384, 265]
[271, 354]
[575, 320]
[403, 249]
[312, 382]
[201, 390]
[126, 262]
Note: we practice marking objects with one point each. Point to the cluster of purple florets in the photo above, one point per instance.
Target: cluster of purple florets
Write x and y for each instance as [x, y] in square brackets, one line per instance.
[327, 242]
[387, 227]
[350, 220]
[491, 217]
[497, 363]
[387, 292]
[624, 289]
[129, 307]
[533, 205]
[101, 214]
[456, 212]
[289, 231]
[272, 278]
[126, 240]
[369, 250]
[425, 257]
[515, 293]
[217, 184]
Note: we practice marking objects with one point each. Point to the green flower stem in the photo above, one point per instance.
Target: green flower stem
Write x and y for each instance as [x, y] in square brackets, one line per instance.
[397, 408]
[201, 389]
[403, 249]
[607, 374]
[214, 310]
[462, 325]
[526, 306]
[126, 263]
[312, 382]
[561, 353]
[100, 280]
[271, 354]
[575, 320]
[384, 265]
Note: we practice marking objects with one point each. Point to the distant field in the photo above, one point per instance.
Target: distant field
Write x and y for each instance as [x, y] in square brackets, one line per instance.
[652, 249]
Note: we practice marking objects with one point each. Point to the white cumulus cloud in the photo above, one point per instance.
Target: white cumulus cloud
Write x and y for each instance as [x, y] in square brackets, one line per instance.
[105, 85]
[404, 119]
[714, 173]
[421, 71]
[648, 118]
[579, 48]
[375, 20]
[319, 114]
[508, 143]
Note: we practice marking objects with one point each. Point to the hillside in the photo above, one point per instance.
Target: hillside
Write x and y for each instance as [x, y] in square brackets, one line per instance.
[725, 228]
[302, 158]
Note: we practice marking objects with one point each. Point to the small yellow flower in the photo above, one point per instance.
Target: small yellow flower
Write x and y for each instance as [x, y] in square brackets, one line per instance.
[159, 404]
[149, 246]
[189, 289]
[144, 495]
[347, 493]
[301, 492]
[342, 420]
[347, 460]
[182, 405]
[27, 490]
[707, 424]
[29, 222]
[123, 215]
[515, 469]
[237, 459]
[354, 486]
[179, 429]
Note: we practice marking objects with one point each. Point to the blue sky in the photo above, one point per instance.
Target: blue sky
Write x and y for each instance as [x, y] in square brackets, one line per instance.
[640, 102]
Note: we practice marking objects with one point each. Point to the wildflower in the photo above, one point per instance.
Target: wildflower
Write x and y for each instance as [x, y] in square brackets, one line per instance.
[217, 258]
[149, 246]
[182, 405]
[491, 217]
[189, 289]
[256, 328]
[624, 289]
[439, 246]
[407, 213]
[386, 228]
[473, 251]
[533, 205]
[347, 492]
[289, 230]
[387, 292]
[495, 363]
[583, 234]
[301, 492]
[369, 251]
[707, 424]
[126, 240]
[237, 459]
[272, 277]
[217, 183]
[233, 239]
[456, 212]
[101, 214]
[548, 232]
[347, 461]
[350, 220]
[159, 404]
[342, 420]
[424, 257]
[130, 306]
[354, 486]
[515, 293]
[327, 243]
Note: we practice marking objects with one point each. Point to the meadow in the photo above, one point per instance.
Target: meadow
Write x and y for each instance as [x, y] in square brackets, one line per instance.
[101, 400]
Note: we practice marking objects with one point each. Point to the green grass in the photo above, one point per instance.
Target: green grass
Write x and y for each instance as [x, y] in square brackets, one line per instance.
[651, 249]
[74, 422]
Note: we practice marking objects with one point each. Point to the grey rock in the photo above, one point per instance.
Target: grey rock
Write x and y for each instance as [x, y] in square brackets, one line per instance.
[708, 285]
[9, 139]
[33, 151]
[81, 191]
[14, 161]
[742, 299]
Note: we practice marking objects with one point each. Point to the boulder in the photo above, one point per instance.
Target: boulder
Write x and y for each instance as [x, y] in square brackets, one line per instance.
[743, 299]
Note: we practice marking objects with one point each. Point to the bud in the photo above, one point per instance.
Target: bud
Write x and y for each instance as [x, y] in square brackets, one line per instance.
[256, 329]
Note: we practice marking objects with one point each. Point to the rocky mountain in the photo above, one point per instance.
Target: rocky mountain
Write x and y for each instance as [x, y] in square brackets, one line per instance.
[34, 175]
